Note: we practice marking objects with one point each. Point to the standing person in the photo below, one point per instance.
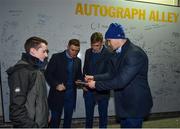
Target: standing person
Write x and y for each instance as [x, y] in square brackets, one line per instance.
[96, 59]
[133, 100]
[28, 93]
[62, 71]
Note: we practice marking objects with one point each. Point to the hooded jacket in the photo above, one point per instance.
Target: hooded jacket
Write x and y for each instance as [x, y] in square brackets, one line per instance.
[28, 93]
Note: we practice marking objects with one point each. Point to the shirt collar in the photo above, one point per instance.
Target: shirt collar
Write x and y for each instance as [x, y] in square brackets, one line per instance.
[118, 50]
[67, 54]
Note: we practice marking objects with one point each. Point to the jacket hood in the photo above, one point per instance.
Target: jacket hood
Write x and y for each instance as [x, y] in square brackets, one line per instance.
[27, 61]
[19, 65]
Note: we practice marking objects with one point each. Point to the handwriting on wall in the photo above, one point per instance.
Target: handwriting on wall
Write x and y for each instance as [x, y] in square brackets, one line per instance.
[160, 41]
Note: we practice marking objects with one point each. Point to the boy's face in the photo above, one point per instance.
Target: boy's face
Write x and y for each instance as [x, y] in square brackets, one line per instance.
[41, 53]
[96, 47]
[73, 50]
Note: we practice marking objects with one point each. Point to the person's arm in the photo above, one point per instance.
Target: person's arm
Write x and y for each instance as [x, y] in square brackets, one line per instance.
[105, 76]
[19, 88]
[100, 77]
[133, 63]
[85, 67]
[50, 72]
[79, 71]
[108, 73]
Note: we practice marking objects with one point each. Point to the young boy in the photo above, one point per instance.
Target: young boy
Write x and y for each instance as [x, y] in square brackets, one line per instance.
[28, 94]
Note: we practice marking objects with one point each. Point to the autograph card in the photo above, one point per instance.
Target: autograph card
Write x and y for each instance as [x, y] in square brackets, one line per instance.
[81, 82]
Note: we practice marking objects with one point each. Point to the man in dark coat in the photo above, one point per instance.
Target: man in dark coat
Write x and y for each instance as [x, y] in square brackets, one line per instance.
[128, 79]
[96, 59]
[62, 71]
[28, 91]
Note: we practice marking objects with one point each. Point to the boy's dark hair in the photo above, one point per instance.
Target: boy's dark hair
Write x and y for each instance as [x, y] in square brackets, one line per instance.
[33, 42]
[74, 42]
[96, 37]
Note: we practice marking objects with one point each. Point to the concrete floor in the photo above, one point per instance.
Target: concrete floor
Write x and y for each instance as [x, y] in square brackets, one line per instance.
[157, 123]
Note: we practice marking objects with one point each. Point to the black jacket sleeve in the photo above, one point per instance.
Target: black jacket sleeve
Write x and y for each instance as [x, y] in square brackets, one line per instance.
[50, 72]
[133, 63]
[85, 67]
[105, 76]
[19, 83]
[79, 71]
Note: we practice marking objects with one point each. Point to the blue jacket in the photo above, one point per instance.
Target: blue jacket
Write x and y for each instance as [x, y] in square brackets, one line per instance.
[56, 73]
[130, 82]
[101, 67]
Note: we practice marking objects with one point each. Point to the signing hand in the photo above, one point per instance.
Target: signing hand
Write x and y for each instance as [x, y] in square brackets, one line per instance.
[91, 84]
[60, 87]
[88, 78]
[85, 89]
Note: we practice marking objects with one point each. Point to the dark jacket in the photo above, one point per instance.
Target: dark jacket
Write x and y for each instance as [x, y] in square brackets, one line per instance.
[130, 82]
[56, 73]
[28, 94]
[101, 67]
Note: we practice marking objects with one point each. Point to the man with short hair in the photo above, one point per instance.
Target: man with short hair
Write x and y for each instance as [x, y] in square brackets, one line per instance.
[128, 79]
[96, 59]
[28, 93]
[63, 70]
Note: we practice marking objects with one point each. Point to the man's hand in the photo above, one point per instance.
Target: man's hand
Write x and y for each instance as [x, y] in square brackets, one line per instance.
[85, 89]
[91, 84]
[60, 87]
[88, 78]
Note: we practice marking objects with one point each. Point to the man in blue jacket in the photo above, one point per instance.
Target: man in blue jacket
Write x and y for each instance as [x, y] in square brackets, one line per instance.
[128, 79]
[96, 59]
[62, 71]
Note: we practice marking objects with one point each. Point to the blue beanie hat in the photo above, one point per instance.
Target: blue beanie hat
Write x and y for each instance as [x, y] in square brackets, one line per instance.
[115, 31]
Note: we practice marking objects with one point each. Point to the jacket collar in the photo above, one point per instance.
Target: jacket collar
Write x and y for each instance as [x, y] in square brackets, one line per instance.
[35, 62]
[125, 46]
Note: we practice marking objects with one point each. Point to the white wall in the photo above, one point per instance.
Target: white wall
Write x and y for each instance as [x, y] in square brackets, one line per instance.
[0, 105]
[57, 22]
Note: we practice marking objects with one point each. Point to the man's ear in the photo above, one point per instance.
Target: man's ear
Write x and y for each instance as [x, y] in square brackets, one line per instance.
[32, 51]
